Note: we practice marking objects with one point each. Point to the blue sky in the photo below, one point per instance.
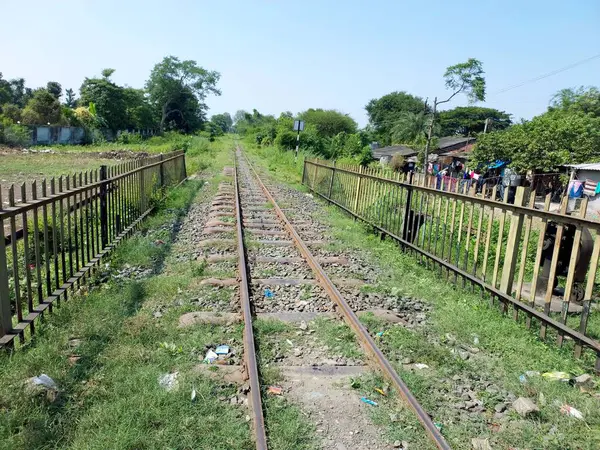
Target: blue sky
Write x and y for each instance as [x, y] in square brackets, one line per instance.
[282, 55]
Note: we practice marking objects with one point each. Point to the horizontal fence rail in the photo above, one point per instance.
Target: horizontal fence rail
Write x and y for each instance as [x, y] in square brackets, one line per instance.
[543, 264]
[58, 230]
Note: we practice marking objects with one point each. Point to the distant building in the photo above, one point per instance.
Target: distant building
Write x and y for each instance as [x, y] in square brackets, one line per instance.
[448, 149]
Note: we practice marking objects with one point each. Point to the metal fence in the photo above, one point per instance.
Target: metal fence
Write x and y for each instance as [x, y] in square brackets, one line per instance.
[50, 243]
[542, 264]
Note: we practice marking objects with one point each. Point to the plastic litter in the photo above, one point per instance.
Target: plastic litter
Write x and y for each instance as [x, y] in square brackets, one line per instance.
[275, 390]
[557, 376]
[380, 333]
[476, 340]
[421, 366]
[381, 391]
[222, 350]
[438, 425]
[571, 412]
[522, 378]
[210, 357]
[193, 396]
[269, 293]
[168, 381]
[532, 373]
[46, 381]
[368, 401]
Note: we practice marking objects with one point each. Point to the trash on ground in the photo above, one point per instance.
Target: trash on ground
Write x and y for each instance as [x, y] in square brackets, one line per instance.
[522, 378]
[168, 381]
[159, 242]
[303, 325]
[571, 412]
[269, 293]
[557, 376]
[532, 373]
[193, 396]
[46, 381]
[222, 350]
[380, 333]
[275, 390]
[475, 340]
[421, 366]
[368, 401]
[381, 391]
[288, 342]
[309, 195]
[438, 425]
[210, 357]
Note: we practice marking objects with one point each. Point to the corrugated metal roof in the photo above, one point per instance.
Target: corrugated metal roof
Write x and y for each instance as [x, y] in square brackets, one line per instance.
[392, 150]
[449, 141]
[585, 166]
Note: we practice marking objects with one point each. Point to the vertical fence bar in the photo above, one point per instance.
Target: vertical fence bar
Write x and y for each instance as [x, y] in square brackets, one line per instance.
[5, 309]
[103, 207]
[512, 247]
[15, 255]
[36, 243]
[54, 238]
[589, 290]
[26, 258]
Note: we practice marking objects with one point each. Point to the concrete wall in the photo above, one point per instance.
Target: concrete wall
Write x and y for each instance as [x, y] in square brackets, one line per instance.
[48, 135]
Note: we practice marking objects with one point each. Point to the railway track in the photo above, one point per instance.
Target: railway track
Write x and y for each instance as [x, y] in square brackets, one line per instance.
[264, 237]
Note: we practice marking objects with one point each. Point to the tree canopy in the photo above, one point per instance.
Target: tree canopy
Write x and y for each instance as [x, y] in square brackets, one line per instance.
[470, 120]
[109, 99]
[329, 122]
[178, 89]
[42, 108]
[544, 143]
[384, 112]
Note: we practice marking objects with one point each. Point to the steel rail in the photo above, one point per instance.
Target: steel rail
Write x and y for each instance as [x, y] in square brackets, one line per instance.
[249, 347]
[353, 321]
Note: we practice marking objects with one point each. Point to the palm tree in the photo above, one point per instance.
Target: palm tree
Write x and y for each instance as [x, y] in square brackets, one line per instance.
[411, 129]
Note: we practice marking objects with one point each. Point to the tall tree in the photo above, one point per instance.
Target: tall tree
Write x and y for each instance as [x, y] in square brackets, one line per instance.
[329, 122]
[544, 143]
[70, 100]
[470, 120]
[466, 78]
[584, 100]
[139, 113]
[223, 121]
[54, 88]
[109, 100]
[173, 79]
[42, 108]
[384, 112]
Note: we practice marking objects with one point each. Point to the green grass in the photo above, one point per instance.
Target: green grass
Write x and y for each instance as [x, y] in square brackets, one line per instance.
[110, 397]
[508, 350]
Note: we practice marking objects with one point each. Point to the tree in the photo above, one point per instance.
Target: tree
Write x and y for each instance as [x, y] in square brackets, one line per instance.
[41, 109]
[329, 123]
[384, 112]
[223, 121]
[172, 80]
[54, 88]
[70, 100]
[464, 78]
[107, 73]
[109, 100]
[470, 120]
[544, 143]
[11, 112]
[138, 111]
[410, 128]
[582, 99]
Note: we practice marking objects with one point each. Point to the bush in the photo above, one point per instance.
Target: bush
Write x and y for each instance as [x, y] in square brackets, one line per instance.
[125, 137]
[397, 162]
[14, 135]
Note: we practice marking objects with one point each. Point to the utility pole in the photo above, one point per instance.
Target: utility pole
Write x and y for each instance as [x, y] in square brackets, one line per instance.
[298, 126]
[485, 127]
[429, 135]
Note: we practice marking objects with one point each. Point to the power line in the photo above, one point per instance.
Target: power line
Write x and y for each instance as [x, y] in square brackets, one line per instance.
[546, 75]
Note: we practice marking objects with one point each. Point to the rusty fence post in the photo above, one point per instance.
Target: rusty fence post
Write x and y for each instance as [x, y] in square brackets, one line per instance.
[161, 171]
[304, 172]
[358, 190]
[331, 181]
[512, 247]
[5, 309]
[103, 207]
[405, 226]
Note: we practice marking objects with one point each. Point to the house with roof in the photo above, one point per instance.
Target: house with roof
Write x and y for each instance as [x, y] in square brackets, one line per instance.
[449, 148]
